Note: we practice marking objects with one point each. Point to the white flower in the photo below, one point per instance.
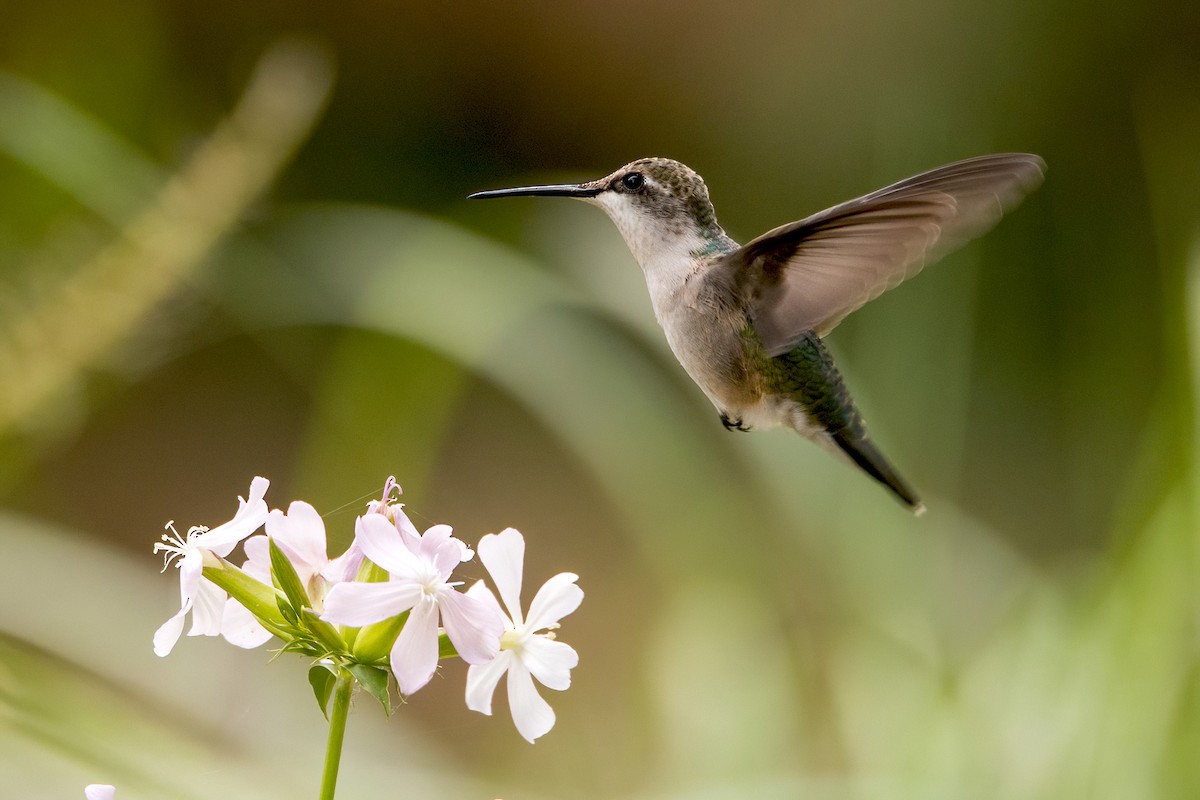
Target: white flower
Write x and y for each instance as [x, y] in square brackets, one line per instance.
[419, 585]
[99, 791]
[525, 653]
[205, 600]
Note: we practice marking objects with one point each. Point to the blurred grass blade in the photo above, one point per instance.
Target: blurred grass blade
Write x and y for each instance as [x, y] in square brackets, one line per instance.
[75, 151]
[102, 303]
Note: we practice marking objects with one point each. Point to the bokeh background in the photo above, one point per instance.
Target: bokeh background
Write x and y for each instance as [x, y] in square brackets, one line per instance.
[234, 241]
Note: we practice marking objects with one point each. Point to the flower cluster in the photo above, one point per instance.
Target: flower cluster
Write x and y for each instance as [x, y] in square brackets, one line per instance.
[386, 606]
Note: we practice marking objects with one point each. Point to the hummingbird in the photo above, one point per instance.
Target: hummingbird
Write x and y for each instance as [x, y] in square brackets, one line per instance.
[747, 322]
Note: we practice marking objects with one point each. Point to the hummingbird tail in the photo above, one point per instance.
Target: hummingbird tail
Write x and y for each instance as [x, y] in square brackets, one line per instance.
[866, 455]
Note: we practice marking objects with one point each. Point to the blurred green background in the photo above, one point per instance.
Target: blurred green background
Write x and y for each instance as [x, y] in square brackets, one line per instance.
[233, 241]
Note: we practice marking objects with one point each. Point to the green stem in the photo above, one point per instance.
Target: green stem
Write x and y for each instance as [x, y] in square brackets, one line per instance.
[337, 732]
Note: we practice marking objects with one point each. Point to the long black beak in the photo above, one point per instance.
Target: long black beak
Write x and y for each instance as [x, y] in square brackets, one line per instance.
[556, 190]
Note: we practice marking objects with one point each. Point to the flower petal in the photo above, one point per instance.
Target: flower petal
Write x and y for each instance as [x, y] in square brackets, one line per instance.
[472, 625]
[169, 632]
[439, 548]
[464, 553]
[550, 661]
[415, 654]
[191, 568]
[379, 542]
[481, 592]
[250, 516]
[258, 559]
[557, 598]
[302, 531]
[345, 567]
[208, 607]
[482, 680]
[364, 603]
[504, 556]
[532, 715]
[99, 791]
[240, 628]
[408, 532]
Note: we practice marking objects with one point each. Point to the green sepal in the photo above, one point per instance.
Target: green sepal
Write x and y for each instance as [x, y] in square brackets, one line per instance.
[326, 634]
[285, 609]
[375, 681]
[285, 577]
[257, 597]
[350, 635]
[375, 641]
[446, 647]
[370, 572]
[322, 677]
[305, 646]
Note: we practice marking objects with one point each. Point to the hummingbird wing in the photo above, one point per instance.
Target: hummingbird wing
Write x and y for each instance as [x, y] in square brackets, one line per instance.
[808, 275]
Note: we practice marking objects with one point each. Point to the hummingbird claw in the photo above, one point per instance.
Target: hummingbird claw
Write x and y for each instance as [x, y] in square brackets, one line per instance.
[734, 424]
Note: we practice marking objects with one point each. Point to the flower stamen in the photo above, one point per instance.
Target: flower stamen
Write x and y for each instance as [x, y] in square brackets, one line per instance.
[385, 505]
[175, 544]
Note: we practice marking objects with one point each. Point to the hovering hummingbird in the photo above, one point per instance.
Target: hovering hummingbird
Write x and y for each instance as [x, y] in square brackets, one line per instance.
[746, 321]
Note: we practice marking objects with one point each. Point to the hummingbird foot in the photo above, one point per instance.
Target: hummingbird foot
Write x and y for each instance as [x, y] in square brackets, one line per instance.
[734, 424]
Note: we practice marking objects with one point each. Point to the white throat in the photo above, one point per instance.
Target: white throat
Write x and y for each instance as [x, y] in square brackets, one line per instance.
[663, 248]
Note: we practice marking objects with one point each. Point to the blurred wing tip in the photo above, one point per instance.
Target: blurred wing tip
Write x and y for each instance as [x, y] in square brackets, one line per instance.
[1032, 159]
[1029, 170]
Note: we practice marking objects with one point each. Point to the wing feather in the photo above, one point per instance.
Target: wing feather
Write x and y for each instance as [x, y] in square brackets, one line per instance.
[808, 275]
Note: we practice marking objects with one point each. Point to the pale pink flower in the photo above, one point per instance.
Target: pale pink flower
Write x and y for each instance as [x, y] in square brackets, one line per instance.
[419, 583]
[300, 534]
[204, 600]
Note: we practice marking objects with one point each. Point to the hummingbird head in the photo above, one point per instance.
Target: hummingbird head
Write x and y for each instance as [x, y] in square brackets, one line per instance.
[660, 206]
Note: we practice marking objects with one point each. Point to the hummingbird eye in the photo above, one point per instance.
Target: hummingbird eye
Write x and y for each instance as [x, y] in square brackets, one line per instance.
[633, 181]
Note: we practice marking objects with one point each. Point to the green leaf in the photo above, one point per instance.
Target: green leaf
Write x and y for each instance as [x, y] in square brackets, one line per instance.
[375, 681]
[375, 641]
[321, 677]
[285, 577]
